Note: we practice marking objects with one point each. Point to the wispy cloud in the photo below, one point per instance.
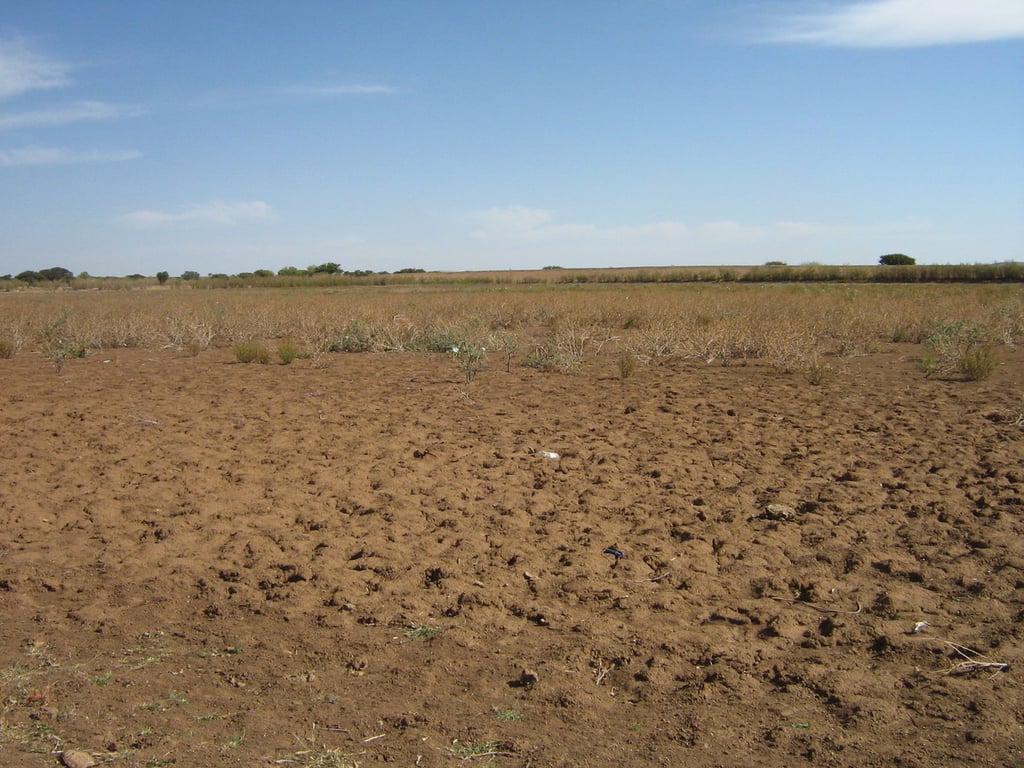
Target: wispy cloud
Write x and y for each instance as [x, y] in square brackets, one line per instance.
[357, 89]
[216, 212]
[535, 224]
[902, 23]
[61, 115]
[24, 69]
[28, 156]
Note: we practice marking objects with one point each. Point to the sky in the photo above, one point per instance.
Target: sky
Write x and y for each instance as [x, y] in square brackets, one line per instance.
[229, 136]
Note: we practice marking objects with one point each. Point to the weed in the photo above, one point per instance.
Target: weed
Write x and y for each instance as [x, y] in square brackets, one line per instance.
[474, 748]
[959, 347]
[627, 364]
[508, 344]
[150, 649]
[471, 358]
[978, 363]
[7, 349]
[422, 632]
[288, 352]
[38, 738]
[234, 742]
[817, 371]
[547, 357]
[321, 757]
[357, 337]
[251, 352]
[102, 679]
[509, 715]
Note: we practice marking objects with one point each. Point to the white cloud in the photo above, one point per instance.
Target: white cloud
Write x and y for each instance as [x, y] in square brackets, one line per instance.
[216, 212]
[511, 221]
[73, 113]
[520, 223]
[23, 69]
[904, 23]
[27, 156]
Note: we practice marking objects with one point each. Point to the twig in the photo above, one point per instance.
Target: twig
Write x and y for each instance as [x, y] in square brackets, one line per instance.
[656, 578]
[820, 608]
[970, 664]
[485, 754]
[602, 672]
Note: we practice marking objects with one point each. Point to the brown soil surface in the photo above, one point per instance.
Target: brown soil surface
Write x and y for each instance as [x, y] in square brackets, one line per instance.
[205, 563]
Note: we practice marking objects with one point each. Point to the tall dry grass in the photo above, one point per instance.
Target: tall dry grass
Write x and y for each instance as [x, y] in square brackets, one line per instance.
[791, 326]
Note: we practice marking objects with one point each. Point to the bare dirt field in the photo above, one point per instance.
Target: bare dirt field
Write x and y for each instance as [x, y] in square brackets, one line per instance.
[205, 563]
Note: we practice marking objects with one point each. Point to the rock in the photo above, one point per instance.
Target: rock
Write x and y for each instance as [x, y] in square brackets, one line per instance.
[527, 678]
[75, 758]
[778, 512]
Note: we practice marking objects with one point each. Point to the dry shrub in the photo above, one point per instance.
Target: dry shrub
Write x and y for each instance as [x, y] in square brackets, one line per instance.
[251, 352]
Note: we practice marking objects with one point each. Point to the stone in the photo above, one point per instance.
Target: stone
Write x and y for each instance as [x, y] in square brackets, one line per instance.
[75, 758]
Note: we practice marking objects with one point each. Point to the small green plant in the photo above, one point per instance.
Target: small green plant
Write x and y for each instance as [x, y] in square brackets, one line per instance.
[288, 352]
[234, 742]
[472, 358]
[422, 632]
[321, 757]
[817, 371]
[507, 343]
[102, 679]
[978, 363]
[357, 337]
[509, 715]
[171, 699]
[474, 748]
[959, 347]
[627, 364]
[251, 352]
[547, 357]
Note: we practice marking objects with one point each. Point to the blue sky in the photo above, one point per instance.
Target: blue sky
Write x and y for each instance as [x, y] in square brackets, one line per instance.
[478, 134]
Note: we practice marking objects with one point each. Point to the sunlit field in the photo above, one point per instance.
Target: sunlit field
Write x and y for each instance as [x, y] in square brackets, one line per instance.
[550, 325]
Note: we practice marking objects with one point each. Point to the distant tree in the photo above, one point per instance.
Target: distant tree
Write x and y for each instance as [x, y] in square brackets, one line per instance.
[163, 277]
[264, 273]
[84, 275]
[330, 268]
[291, 272]
[54, 274]
[409, 271]
[551, 266]
[896, 259]
[189, 274]
[135, 276]
[775, 263]
[218, 274]
[29, 276]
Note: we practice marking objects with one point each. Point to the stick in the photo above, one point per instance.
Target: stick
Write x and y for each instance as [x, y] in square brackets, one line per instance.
[819, 607]
[655, 579]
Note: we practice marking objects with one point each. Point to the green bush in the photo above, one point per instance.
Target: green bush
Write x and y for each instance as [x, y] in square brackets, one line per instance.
[960, 347]
[357, 337]
[251, 352]
[287, 352]
[978, 363]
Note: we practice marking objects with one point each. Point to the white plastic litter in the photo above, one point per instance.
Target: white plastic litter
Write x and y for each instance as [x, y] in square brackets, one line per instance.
[549, 454]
